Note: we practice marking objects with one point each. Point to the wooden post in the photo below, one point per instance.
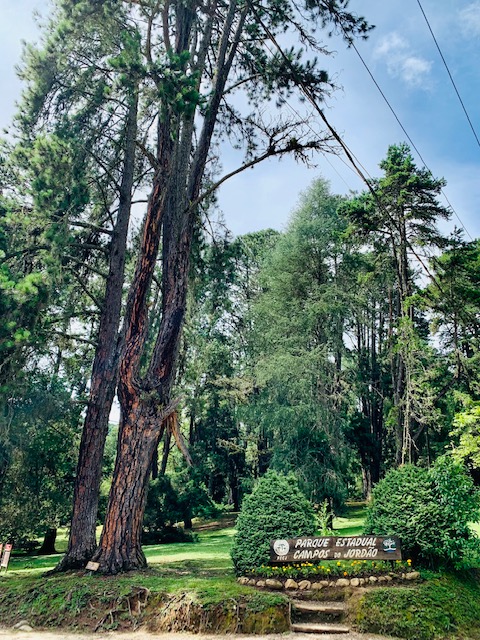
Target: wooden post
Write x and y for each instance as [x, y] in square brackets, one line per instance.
[6, 557]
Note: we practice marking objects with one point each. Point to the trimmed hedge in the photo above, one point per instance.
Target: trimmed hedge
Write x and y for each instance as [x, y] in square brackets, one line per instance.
[430, 510]
[276, 509]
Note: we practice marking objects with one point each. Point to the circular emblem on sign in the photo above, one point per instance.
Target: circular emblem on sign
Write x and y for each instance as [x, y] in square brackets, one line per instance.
[281, 547]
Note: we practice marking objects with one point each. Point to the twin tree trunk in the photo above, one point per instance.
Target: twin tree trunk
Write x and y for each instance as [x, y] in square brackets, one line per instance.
[82, 542]
[120, 546]
[144, 389]
[145, 400]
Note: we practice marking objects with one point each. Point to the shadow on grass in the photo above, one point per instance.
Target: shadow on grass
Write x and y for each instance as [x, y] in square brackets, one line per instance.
[210, 554]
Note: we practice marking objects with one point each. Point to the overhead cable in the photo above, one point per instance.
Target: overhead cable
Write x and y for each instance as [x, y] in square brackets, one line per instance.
[350, 155]
[449, 74]
[414, 146]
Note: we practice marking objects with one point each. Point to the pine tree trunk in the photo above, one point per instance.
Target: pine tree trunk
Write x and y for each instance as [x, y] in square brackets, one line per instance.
[120, 546]
[166, 453]
[144, 401]
[82, 541]
[144, 392]
[377, 427]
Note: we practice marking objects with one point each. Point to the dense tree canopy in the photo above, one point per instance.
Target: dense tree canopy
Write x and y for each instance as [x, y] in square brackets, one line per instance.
[321, 351]
[139, 95]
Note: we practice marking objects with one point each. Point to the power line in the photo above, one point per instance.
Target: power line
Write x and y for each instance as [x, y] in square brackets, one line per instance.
[354, 168]
[294, 111]
[407, 135]
[317, 135]
[350, 155]
[348, 166]
[449, 74]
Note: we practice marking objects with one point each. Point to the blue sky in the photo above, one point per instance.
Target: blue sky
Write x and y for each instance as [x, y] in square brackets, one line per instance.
[405, 62]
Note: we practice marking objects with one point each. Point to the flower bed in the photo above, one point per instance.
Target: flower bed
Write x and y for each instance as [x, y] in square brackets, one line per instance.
[327, 570]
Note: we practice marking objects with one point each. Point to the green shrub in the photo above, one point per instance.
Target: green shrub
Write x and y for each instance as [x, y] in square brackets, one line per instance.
[167, 505]
[168, 535]
[445, 605]
[275, 509]
[429, 509]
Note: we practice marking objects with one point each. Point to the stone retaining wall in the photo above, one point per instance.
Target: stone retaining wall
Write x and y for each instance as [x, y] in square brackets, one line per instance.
[309, 585]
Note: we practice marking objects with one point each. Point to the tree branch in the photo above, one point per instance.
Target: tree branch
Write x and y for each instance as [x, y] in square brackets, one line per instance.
[293, 146]
[78, 338]
[92, 227]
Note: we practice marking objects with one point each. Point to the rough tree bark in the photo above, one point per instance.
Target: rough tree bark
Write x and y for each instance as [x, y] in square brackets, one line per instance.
[199, 42]
[145, 400]
[145, 409]
[82, 540]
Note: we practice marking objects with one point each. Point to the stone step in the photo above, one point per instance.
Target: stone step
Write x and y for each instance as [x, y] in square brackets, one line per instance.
[313, 606]
[319, 627]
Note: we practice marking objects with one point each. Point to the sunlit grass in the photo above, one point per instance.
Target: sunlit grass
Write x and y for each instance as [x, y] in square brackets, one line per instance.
[202, 569]
[351, 524]
[210, 554]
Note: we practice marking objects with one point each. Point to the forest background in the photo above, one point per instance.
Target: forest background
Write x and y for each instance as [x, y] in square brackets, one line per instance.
[338, 349]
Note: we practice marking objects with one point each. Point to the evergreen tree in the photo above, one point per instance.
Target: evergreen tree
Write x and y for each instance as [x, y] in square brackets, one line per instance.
[195, 63]
[300, 320]
[399, 215]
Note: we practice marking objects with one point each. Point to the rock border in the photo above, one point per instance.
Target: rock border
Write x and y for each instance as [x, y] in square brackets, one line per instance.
[308, 585]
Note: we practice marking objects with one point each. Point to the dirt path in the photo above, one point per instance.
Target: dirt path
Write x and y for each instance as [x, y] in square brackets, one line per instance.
[222, 522]
[6, 634]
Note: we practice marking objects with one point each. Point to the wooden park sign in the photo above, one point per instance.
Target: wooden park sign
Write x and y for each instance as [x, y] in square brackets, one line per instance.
[335, 548]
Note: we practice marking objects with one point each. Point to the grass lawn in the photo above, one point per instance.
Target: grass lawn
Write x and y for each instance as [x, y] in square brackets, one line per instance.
[177, 565]
[203, 570]
[199, 577]
[210, 556]
[351, 523]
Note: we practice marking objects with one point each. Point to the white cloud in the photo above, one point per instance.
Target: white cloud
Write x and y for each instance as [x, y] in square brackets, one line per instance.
[415, 70]
[470, 19]
[393, 44]
[402, 62]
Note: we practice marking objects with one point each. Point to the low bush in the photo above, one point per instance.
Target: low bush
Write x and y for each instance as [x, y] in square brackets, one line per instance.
[168, 535]
[430, 510]
[275, 509]
[444, 606]
[167, 506]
